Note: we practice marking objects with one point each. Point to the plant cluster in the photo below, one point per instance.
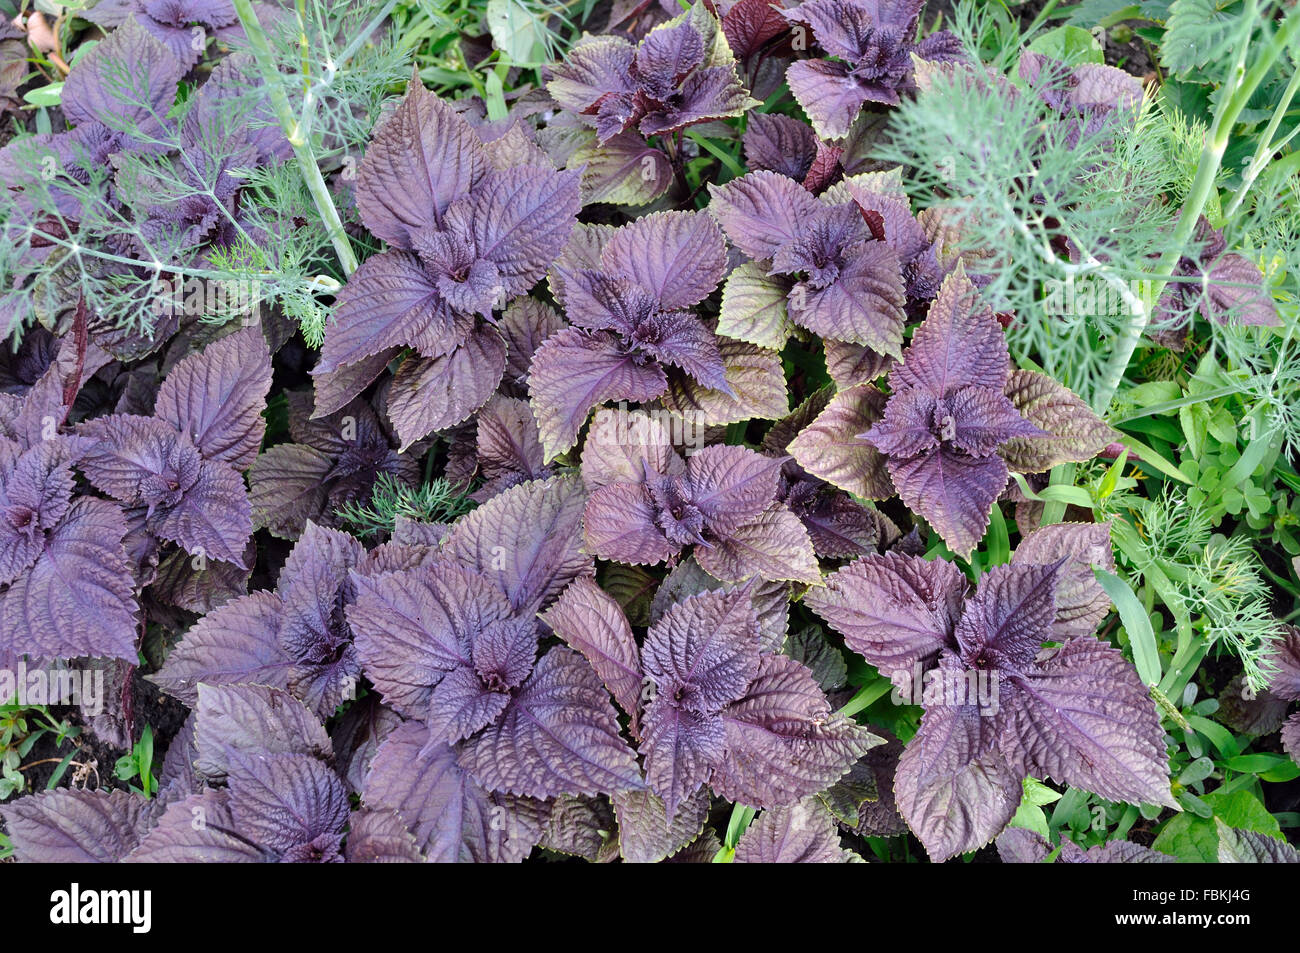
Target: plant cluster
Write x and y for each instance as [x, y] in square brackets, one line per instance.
[600, 462]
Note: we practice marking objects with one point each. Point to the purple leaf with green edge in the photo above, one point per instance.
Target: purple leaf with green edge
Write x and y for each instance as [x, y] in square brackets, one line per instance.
[732, 485]
[1252, 847]
[895, 611]
[829, 95]
[623, 170]
[801, 833]
[527, 540]
[954, 787]
[754, 307]
[830, 448]
[620, 445]
[177, 839]
[127, 83]
[236, 643]
[1084, 718]
[589, 620]
[1009, 615]
[412, 628]
[1081, 603]
[285, 802]
[780, 144]
[230, 719]
[646, 835]
[44, 616]
[380, 837]
[420, 159]
[75, 826]
[390, 301]
[955, 492]
[678, 256]
[430, 394]
[762, 211]
[1074, 433]
[774, 546]
[863, 305]
[959, 344]
[783, 741]
[755, 377]
[575, 371]
[216, 398]
[451, 817]
[559, 735]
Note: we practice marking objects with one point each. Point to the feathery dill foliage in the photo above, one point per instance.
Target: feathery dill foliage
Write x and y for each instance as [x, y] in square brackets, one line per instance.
[110, 237]
[1215, 581]
[1019, 181]
[438, 501]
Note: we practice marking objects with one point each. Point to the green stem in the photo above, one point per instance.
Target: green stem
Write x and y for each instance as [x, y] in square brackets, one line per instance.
[1264, 154]
[1238, 88]
[315, 183]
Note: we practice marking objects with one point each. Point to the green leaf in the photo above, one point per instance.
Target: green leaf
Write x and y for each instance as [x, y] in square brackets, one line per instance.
[50, 95]
[1141, 637]
[1071, 44]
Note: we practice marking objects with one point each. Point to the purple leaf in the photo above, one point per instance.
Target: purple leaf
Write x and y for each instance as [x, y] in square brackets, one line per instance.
[1086, 719]
[953, 491]
[559, 735]
[575, 371]
[77, 600]
[762, 211]
[452, 818]
[216, 398]
[589, 620]
[895, 611]
[773, 546]
[954, 787]
[527, 540]
[1081, 603]
[678, 256]
[783, 741]
[431, 394]
[74, 826]
[1005, 622]
[803, 833]
[421, 159]
[235, 643]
